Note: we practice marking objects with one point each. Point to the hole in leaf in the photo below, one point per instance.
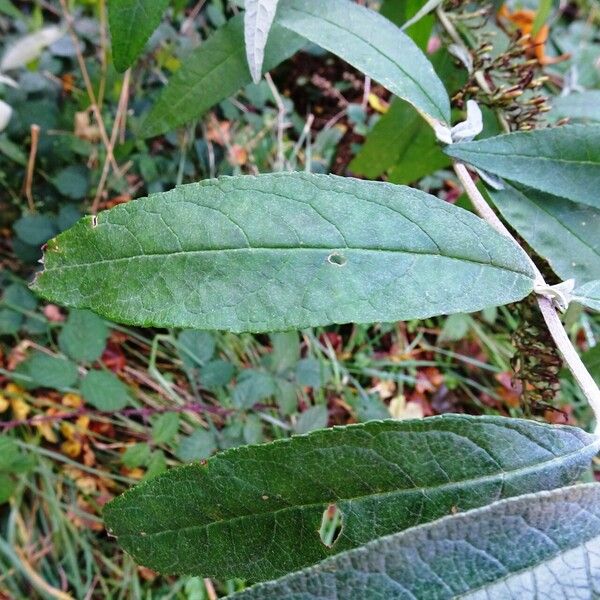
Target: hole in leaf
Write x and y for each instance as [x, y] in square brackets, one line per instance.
[94, 221]
[331, 525]
[337, 259]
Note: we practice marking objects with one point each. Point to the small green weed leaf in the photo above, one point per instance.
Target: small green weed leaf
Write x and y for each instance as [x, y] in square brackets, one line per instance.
[541, 545]
[566, 234]
[258, 19]
[254, 512]
[131, 24]
[252, 387]
[73, 182]
[216, 373]
[165, 428]
[564, 161]
[253, 430]
[15, 296]
[83, 336]
[311, 372]
[201, 444]
[584, 106]
[588, 294]
[196, 347]
[286, 352]
[282, 251]
[105, 391]
[35, 229]
[136, 455]
[156, 465]
[312, 419]
[214, 71]
[50, 371]
[372, 44]
[402, 143]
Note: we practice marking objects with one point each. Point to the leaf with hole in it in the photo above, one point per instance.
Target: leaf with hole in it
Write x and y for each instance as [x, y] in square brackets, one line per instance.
[564, 161]
[372, 44]
[131, 24]
[282, 251]
[258, 19]
[566, 234]
[212, 72]
[588, 294]
[543, 545]
[254, 512]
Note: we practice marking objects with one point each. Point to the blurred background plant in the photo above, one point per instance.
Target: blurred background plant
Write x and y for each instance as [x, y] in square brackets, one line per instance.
[88, 407]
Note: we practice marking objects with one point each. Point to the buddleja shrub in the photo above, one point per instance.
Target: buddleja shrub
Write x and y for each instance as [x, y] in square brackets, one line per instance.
[437, 508]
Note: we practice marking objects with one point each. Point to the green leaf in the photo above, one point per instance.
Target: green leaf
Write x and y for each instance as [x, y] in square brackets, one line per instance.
[201, 444]
[252, 387]
[136, 455]
[541, 16]
[311, 419]
[214, 71]
[537, 546]
[73, 182]
[131, 24]
[258, 20]
[35, 229]
[403, 143]
[372, 44]
[165, 428]
[216, 373]
[84, 336]
[564, 161]
[591, 360]
[566, 234]
[282, 251]
[581, 106]
[588, 294]
[50, 371]
[196, 347]
[9, 9]
[105, 391]
[254, 512]
[286, 352]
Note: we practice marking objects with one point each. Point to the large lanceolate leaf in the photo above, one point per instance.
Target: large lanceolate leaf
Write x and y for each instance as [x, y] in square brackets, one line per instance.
[564, 161]
[545, 545]
[282, 251]
[254, 512]
[214, 71]
[566, 234]
[258, 19]
[131, 24]
[373, 45]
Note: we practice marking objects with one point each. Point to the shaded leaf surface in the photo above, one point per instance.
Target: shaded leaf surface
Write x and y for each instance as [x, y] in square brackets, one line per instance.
[588, 294]
[280, 252]
[580, 106]
[567, 235]
[131, 24]
[258, 19]
[402, 142]
[372, 44]
[254, 512]
[538, 546]
[564, 161]
[214, 71]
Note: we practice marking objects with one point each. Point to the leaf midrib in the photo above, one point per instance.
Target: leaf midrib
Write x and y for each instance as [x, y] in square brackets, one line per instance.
[501, 476]
[165, 255]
